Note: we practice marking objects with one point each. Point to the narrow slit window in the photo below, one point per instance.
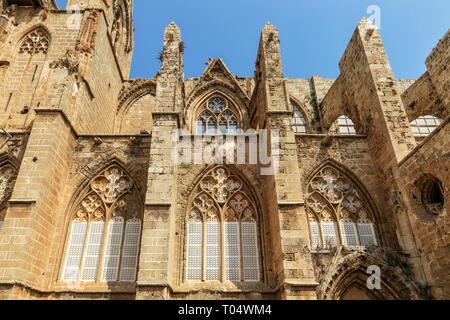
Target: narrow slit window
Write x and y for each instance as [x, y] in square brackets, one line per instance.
[194, 251]
[130, 251]
[232, 252]
[75, 251]
[92, 254]
[112, 250]
[315, 235]
[250, 251]
[212, 251]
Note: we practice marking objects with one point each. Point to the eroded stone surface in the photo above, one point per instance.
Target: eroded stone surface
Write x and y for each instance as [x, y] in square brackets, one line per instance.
[71, 113]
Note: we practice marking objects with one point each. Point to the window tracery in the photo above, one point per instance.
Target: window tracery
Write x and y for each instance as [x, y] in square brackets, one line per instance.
[432, 194]
[222, 230]
[217, 117]
[8, 175]
[117, 25]
[337, 213]
[36, 41]
[105, 231]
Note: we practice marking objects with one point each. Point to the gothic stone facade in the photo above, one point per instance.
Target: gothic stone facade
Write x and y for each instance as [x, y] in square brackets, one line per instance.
[92, 207]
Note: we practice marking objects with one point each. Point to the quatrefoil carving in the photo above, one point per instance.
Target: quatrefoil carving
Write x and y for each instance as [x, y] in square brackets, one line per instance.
[109, 194]
[332, 196]
[221, 194]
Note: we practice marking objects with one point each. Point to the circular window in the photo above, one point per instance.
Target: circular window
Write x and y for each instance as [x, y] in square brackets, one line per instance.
[433, 196]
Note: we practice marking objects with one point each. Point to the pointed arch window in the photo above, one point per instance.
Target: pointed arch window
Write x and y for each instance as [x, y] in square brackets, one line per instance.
[222, 230]
[344, 126]
[337, 213]
[36, 41]
[103, 243]
[217, 117]
[8, 176]
[117, 25]
[298, 120]
[425, 125]
[32, 51]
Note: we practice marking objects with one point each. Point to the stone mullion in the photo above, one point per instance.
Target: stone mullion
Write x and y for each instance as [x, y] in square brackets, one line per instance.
[222, 247]
[203, 277]
[157, 242]
[103, 246]
[122, 242]
[338, 225]
[86, 236]
[241, 249]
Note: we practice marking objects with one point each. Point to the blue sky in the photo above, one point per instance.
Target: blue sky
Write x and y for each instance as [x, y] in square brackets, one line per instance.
[314, 34]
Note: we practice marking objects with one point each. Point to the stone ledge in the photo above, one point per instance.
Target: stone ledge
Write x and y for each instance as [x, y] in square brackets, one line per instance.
[301, 283]
[22, 201]
[156, 204]
[323, 135]
[291, 204]
[151, 284]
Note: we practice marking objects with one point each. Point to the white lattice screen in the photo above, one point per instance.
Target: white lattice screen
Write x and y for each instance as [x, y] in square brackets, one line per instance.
[349, 234]
[92, 252]
[194, 251]
[329, 233]
[250, 251]
[346, 126]
[212, 251]
[425, 125]
[298, 121]
[367, 234]
[315, 235]
[74, 251]
[130, 251]
[232, 252]
[112, 251]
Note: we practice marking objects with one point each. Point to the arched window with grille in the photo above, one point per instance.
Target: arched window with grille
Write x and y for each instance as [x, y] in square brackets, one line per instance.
[337, 212]
[344, 126]
[425, 125]
[222, 230]
[8, 175]
[28, 69]
[105, 230]
[34, 42]
[298, 120]
[217, 116]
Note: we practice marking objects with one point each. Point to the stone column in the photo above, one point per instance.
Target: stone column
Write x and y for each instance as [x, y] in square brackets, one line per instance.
[370, 93]
[155, 259]
[288, 221]
[30, 223]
